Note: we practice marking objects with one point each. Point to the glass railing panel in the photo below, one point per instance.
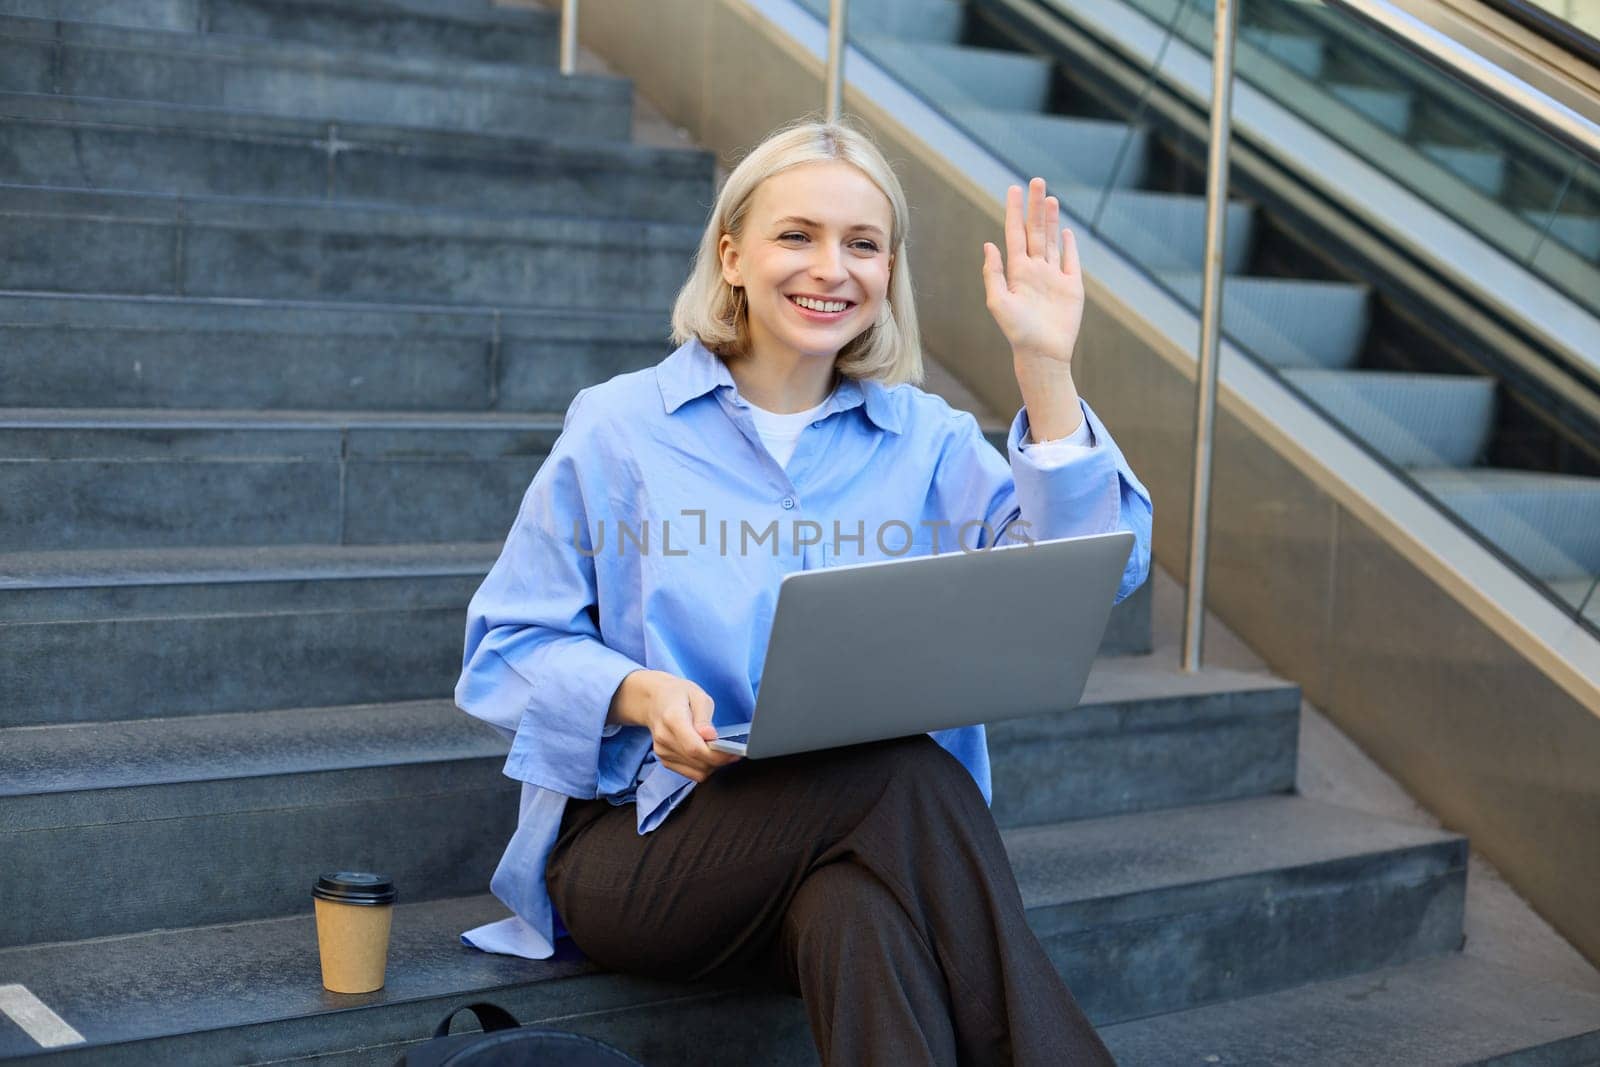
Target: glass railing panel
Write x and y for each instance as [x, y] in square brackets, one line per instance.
[1481, 164]
[1442, 428]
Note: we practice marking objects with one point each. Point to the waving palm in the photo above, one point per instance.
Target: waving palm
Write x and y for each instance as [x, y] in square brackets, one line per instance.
[1036, 295]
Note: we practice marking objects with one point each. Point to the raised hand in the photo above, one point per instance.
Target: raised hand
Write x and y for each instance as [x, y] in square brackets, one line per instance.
[1036, 294]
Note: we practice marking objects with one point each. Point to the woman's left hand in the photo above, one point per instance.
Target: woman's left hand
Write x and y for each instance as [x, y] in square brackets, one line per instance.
[1036, 295]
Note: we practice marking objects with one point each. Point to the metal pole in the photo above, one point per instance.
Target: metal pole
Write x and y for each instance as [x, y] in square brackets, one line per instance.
[569, 36]
[833, 91]
[1210, 327]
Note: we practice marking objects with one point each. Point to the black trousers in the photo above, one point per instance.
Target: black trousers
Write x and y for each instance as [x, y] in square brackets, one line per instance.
[869, 880]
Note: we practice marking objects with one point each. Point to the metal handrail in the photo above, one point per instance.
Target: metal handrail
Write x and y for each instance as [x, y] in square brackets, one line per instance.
[569, 36]
[833, 85]
[1556, 118]
[1224, 27]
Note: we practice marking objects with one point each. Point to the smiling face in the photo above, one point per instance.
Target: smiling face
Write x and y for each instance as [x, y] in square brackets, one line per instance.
[813, 258]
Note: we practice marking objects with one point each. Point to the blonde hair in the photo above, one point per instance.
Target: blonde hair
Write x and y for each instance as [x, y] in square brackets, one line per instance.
[707, 307]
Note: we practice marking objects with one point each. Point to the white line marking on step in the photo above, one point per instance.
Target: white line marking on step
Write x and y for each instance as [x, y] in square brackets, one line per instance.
[35, 1017]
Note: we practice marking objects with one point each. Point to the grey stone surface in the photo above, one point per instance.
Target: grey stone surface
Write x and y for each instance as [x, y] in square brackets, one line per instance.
[1152, 884]
[473, 32]
[75, 351]
[1433, 1013]
[1233, 899]
[306, 80]
[218, 818]
[200, 631]
[1147, 736]
[132, 243]
[147, 479]
[477, 31]
[50, 140]
[1128, 628]
[251, 992]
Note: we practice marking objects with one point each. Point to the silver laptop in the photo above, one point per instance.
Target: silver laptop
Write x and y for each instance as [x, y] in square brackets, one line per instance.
[869, 651]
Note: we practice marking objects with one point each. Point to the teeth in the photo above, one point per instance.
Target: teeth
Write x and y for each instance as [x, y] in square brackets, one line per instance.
[820, 305]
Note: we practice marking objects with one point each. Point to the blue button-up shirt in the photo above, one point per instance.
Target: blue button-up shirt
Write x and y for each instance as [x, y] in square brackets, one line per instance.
[655, 535]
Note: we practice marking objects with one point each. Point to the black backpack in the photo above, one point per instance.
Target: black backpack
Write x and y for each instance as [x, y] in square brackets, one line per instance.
[506, 1043]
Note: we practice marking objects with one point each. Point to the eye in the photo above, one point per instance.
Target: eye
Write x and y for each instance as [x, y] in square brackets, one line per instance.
[864, 245]
[792, 235]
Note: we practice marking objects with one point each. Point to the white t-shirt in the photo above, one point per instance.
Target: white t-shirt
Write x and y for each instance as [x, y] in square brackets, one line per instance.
[781, 432]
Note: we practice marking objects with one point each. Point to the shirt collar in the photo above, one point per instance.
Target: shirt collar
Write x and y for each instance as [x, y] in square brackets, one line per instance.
[694, 370]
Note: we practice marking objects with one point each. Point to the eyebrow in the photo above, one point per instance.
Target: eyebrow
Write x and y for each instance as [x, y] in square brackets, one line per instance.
[862, 226]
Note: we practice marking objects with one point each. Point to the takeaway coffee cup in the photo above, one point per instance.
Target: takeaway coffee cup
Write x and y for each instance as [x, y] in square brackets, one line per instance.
[353, 913]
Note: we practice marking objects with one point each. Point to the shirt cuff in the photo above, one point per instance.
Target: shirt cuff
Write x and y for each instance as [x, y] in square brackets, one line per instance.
[557, 745]
[1049, 455]
[1073, 494]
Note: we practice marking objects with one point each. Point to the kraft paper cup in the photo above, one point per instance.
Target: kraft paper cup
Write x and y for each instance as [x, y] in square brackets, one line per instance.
[354, 910]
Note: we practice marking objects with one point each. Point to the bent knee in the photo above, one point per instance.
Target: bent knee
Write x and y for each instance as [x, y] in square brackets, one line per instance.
[841, 899]
[920, 760]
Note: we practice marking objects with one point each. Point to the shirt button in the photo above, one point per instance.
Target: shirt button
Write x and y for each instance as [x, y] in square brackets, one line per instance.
[788, 502]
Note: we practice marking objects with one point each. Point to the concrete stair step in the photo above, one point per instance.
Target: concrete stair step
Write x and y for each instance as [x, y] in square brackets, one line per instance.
[196, 631]
[220, 817]
[1147, 736]
[187, 16]
[139, 243]
[1289, 322]
[472, 31]
[251, 993]
[95, 143]
[1279, 891]
[1412, 420]
[1063, 149]
[180, 632]
[307, 80]
[248, 791]
[1441, 1012]
[1161, 911]
[150, 479]
[951, 75]
[66, 351]
[1549, 523]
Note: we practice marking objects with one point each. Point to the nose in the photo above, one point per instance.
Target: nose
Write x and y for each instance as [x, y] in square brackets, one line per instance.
[828, 263]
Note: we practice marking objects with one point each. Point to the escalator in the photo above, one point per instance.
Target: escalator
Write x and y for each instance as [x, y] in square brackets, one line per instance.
[1440, 297]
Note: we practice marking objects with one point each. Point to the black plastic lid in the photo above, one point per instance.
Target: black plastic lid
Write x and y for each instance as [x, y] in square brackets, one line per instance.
[355, 887]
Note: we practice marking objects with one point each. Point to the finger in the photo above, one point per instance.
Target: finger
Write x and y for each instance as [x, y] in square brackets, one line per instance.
[701, 706]
[1069, 254]
[994, 275]
[683, 740]
[1036, 218]
[1016, 240]
[1052, 230]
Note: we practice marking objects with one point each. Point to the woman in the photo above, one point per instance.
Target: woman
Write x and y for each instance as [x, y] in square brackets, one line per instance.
[628, 614]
